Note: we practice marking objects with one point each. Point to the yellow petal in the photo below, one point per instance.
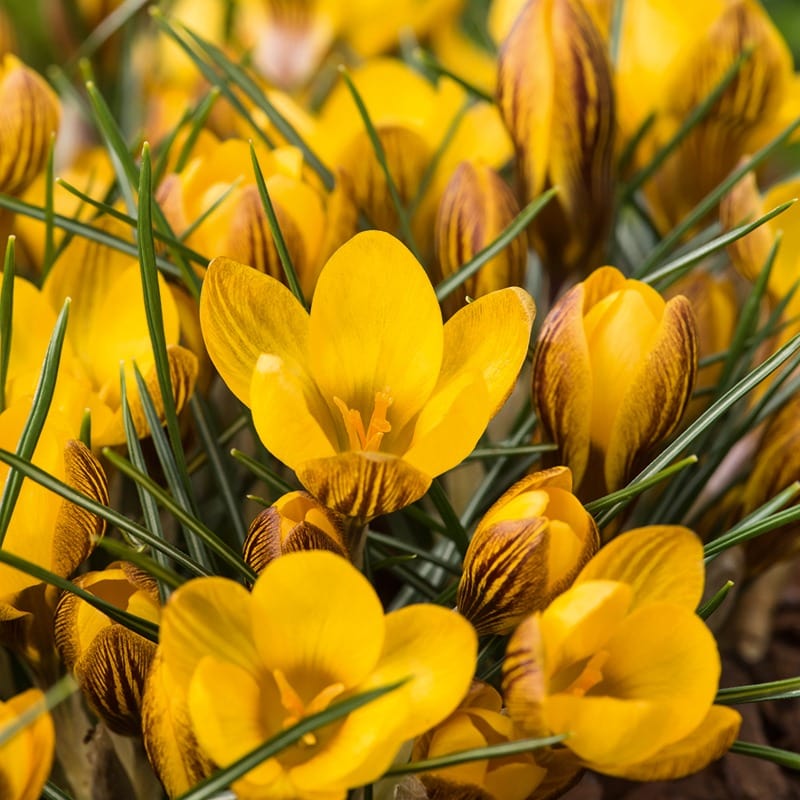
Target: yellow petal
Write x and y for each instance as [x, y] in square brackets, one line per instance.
[436, 649]
[363, 485]
[658, 393]
[562, 381]
[711, 739]
[661, 563]
[342, 629]
[375, 326]
[207, 616]
[290, 416]
[244, 313]
[168, 734]
[476, 340]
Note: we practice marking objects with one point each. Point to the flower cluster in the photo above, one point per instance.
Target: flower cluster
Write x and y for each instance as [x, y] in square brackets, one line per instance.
[378, 382]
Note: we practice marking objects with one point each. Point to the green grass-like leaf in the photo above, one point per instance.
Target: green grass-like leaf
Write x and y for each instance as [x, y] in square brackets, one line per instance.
[6, 315]
[786, 689]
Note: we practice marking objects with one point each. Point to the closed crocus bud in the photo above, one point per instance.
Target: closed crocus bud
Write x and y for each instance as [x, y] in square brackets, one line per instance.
[26, 758]
[29, 114]
[475, 209]
[527, 549]
[555, 93]
[295, 521]
[613, 371]
[110, 661]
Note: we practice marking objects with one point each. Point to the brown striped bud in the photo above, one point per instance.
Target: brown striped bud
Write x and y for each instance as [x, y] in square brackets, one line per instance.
[613, 371]
[29, 115]
[294, 522]
[475, 209]
[110, 662]
[555, 93]
[527, 549]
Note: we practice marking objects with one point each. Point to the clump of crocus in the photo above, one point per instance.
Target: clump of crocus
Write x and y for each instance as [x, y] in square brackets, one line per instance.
[369, 396]
[612, 374]
[622, 663]
[527, 549]
[29, 117]
[46, 530]
[243, 667]
[296, 521]
[109, 661]
[474, 210]
[26, 758]
[555, 92]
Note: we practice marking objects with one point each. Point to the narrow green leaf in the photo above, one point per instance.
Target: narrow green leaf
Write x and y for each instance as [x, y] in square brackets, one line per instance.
[275, 229]
[515, 227]
[520, 450]
[786, 689]
[784, 758]
[634, 489]
[418, 552]
[454, 530]
[380, 154]
[194, 525]
[430, 62]
[6, 315]
[205, 427]
[199, 459]
[199, 119]
[141, 626]
[476, 754]
[263, 472]
[36, 417]
[63, 688]
[286, 738]
[90, 504]
[163, 574]
[744, 533]
[52, 792]
[707, 609]
[49, 242]
[107, 27]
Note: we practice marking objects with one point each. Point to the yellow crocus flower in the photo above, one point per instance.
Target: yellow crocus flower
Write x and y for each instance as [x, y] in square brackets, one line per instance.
[612, 374]
[368, 397]
[26, 758]
[623, 664]
[245, 666]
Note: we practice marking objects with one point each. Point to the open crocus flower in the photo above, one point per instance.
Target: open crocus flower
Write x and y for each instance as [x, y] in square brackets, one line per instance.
[613, 372]
[244, 667]
[26, 758]
[624, 646]
[368, 397]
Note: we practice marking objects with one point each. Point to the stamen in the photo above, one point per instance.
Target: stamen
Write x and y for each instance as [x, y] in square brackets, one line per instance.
[369, 439]
[591, 675]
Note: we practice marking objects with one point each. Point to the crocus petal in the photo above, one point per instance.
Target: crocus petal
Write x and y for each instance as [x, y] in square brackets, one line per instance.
[228, 707]
[363, 485]
[207, 616]
[393, 338]
[662, 387]
[657, 683]
[244, 313]
[341, 645]
[450, 424]
[475, 340]
[168, 734]
[661, 563]
[432, 648]
[290, 417]
[711, 739]
[562, 381]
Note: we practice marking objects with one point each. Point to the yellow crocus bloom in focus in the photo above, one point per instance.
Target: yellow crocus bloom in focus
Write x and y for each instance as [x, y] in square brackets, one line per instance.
[623, 664]
[244, 667]
[369, 396]
[26, 758]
